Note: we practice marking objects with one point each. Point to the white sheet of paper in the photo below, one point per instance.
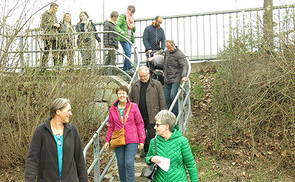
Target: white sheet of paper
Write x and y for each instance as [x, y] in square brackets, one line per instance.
[165, 163]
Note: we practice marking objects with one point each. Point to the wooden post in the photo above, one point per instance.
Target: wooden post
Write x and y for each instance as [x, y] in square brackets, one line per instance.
[268, 34]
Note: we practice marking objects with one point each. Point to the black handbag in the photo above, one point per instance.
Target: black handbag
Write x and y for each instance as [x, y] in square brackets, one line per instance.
[150, 170]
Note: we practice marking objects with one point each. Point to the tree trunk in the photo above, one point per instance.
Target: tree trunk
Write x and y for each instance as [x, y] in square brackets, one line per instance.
[268, 34]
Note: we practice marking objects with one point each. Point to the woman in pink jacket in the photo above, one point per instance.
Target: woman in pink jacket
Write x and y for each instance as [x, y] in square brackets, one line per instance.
[134, 133]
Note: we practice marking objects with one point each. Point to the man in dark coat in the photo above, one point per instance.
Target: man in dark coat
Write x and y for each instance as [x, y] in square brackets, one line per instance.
[175, 70]
[148, 94]
[154, 36]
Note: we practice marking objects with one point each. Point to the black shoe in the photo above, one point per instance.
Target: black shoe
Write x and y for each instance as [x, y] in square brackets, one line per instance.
[143, 155]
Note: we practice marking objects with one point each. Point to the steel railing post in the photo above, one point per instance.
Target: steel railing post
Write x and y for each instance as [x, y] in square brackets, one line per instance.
[96, 156]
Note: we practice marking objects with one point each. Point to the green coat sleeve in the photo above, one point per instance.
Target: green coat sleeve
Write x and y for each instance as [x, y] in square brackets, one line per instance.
[151, 153]
[120, 23]
[189, 161]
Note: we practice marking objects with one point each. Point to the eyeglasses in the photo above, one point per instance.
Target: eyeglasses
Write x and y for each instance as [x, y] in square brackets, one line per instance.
[158, 124]
[58, 139]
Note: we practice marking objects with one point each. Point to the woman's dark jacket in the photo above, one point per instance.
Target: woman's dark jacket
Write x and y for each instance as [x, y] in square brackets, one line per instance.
[42, 160]
[86, 39]
[66, 39]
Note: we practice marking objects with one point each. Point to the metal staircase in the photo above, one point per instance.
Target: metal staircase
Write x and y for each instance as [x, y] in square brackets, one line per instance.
[184, 105]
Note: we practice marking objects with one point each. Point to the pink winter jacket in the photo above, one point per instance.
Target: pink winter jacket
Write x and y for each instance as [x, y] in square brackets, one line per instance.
[134, 127]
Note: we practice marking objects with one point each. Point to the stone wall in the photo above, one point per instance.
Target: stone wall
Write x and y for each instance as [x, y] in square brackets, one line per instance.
[104, 97]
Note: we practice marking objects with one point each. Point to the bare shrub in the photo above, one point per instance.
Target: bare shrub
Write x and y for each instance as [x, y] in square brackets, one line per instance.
[25, 101]
[254, 96]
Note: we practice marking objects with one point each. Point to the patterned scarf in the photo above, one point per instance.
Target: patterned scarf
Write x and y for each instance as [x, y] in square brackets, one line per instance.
[130, 21]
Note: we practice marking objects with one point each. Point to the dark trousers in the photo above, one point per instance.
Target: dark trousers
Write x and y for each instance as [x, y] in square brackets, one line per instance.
[150, 133]
[50, 44]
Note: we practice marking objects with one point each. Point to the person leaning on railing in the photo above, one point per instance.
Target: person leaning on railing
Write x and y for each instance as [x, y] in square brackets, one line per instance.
[175, 70]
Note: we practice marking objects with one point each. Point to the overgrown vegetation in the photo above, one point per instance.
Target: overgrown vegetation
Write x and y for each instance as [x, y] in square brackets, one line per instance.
[25, 100]
[245, 118]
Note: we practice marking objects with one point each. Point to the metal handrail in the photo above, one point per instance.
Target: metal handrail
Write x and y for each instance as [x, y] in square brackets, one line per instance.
[181, 120]
[95, 138]
[185, 88]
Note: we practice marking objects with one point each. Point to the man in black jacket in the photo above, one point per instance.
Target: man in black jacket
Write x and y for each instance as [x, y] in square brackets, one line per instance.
[175, 70]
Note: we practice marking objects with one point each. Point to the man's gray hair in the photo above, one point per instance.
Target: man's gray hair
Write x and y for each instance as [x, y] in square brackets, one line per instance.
[170, 42]
[166, 117]
[141, 68]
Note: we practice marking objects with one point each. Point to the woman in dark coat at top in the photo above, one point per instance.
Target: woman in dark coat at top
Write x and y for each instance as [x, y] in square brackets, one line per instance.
[86, 40]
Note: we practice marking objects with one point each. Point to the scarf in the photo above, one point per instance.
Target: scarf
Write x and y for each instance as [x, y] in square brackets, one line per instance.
[130, 21]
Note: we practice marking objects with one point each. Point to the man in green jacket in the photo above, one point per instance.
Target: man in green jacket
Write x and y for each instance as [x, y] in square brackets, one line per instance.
[173, 145]
[50, 26]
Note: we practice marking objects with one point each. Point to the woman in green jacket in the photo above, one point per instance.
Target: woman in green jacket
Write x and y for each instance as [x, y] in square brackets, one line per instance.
[173, 145]
[126, 28]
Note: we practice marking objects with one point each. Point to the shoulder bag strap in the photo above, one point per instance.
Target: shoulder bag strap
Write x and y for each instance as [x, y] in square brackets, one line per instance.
[127, 114]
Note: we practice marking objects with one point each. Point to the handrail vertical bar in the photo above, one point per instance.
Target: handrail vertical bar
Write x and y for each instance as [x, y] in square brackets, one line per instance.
[22, 53]
[96, 156]
[204, 38]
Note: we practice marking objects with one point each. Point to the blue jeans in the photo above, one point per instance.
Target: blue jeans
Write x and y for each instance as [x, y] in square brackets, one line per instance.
[125, 161]
[127, 49]
[170, 91]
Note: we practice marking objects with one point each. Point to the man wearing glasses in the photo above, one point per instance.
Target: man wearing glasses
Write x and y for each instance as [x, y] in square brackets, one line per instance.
[148, 94]
[154, 36]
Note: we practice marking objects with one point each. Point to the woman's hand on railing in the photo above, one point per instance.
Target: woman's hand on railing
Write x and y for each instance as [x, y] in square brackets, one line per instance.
[107, 146]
